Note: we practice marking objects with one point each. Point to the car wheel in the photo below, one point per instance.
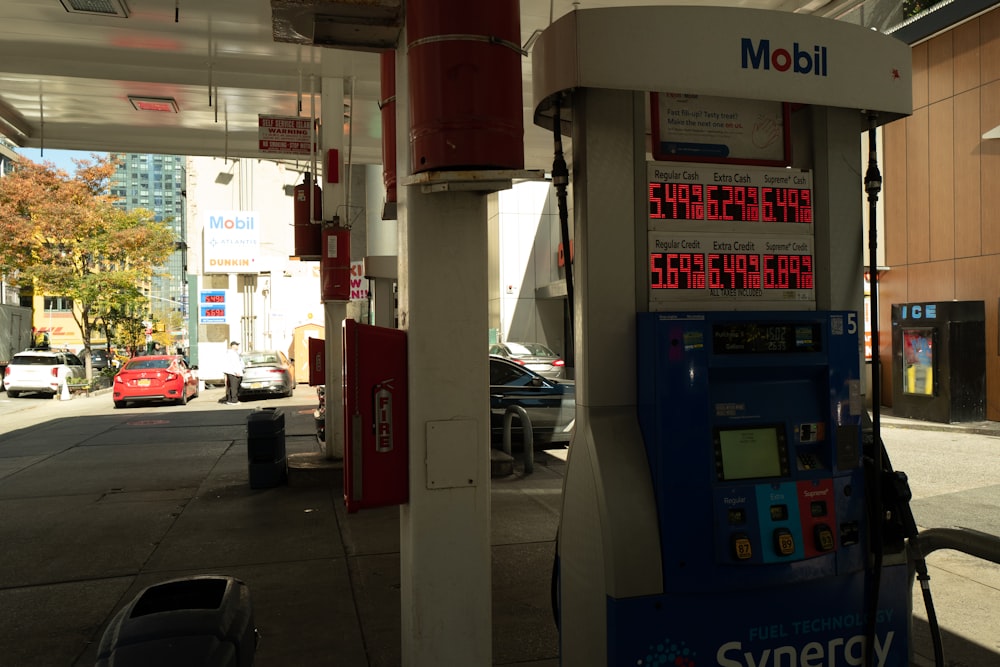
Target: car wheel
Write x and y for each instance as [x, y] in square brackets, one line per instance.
[13, 393]
[119, 404]
[183, 400]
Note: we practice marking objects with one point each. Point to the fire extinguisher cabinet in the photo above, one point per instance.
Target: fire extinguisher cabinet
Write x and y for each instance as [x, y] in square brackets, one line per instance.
[465, 84]
[376, 446]
[308, 234]
[335, 264]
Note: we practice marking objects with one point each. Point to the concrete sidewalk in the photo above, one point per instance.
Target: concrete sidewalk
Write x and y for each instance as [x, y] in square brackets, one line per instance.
[96, 508]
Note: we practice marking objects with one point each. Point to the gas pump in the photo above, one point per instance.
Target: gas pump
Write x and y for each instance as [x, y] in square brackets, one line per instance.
[722, 504]
[752, 424]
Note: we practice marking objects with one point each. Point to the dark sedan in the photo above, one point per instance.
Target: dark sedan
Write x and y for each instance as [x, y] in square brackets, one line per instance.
[549, 403]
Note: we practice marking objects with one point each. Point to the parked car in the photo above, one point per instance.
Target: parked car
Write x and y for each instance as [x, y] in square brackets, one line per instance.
[162, 377]
[533, 356]
[100, 359]
[266, 373]
[549, 403]
[42, 371]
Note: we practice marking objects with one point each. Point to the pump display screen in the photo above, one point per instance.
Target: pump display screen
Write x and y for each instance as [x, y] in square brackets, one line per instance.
[769, 338]
[748, 453]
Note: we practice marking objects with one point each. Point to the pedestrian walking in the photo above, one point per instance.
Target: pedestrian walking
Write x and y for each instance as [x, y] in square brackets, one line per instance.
[233, 368]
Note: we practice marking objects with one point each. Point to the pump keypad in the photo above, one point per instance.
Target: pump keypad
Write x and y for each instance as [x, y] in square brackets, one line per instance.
[774, 522]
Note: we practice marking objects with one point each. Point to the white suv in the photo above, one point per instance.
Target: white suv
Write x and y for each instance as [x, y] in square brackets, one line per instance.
[42, 371]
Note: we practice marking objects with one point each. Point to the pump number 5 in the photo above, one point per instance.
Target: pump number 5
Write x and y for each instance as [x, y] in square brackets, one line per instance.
[852, 323]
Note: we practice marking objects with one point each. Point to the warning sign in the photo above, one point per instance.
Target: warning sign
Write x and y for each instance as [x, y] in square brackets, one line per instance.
[287, 135]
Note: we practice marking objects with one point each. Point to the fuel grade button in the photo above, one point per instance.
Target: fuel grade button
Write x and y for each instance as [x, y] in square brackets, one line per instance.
[784, 542]
[742, 547]
[824, 537]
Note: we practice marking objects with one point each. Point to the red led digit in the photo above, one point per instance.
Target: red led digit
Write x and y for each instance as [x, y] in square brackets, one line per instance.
[656, 201]
[656, 271]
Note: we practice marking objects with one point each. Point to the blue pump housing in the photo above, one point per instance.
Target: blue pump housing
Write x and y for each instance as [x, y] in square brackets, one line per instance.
[752, 428]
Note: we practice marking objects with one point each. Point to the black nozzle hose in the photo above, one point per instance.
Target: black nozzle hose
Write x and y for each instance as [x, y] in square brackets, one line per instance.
[560, 179]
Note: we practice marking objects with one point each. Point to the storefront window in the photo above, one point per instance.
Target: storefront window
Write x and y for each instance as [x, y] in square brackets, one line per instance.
[918, 361]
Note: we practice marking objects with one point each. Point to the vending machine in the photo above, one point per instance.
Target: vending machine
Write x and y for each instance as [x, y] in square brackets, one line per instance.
[939, 361]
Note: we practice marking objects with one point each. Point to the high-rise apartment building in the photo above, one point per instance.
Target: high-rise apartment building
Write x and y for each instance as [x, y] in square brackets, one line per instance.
[157, 183]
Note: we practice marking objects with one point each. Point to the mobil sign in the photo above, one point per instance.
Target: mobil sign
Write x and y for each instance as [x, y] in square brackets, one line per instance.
[231, 241]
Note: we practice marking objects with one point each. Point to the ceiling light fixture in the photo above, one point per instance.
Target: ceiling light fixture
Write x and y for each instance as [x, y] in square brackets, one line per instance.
[166, 104]
[97, 7]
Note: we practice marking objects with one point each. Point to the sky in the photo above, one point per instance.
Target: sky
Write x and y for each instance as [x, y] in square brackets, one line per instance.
[62, 159]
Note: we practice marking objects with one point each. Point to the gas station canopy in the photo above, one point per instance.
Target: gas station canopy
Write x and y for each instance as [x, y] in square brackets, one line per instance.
[193, 78]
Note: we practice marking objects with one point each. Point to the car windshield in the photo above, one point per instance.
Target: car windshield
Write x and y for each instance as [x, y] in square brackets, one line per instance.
[533, 349]
[253, 359]
[147, 364]
[34, 360]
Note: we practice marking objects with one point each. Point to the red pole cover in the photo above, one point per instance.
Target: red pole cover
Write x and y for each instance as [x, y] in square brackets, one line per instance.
[465, 84]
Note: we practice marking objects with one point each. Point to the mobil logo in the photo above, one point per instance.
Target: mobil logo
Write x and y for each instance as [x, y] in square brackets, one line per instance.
[799, 60]
[225, 221]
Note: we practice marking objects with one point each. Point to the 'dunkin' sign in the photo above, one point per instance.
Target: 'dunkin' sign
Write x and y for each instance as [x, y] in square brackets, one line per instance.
[232, 241]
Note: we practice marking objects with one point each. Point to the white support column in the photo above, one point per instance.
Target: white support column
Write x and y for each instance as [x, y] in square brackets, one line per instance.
[332, 112]
[837, 207]
[445, 570]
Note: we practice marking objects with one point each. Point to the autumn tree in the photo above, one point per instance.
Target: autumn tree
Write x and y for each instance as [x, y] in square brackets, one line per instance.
[64, 236]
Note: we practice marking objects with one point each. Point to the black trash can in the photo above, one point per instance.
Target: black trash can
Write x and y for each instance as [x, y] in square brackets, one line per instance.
[266, 448]
[203, 621]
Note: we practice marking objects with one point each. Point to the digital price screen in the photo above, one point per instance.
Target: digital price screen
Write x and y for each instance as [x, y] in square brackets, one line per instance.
[677, 270]
[212, 307]
[725, 193]
[733, 271]
[774, 337]
[787, 271]
[676, 201]
[786, 205]
[723, 268]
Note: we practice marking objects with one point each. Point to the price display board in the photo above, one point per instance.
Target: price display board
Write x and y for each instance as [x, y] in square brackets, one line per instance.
[723, 235]
[721, 269]
[708, 197]
[212, 307]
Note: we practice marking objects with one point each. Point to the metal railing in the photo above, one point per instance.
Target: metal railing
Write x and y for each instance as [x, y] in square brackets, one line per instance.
[528, 435]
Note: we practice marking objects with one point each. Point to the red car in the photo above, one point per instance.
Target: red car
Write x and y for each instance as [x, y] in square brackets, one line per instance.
[165, 377]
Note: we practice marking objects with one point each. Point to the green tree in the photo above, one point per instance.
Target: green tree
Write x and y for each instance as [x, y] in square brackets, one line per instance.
[64, 236]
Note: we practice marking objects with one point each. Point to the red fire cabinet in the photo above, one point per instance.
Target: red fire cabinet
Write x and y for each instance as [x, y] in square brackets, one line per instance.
[376, 445]
[335, 264]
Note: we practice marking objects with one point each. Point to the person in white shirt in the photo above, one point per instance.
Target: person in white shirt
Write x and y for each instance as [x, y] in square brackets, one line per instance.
[233, 368]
